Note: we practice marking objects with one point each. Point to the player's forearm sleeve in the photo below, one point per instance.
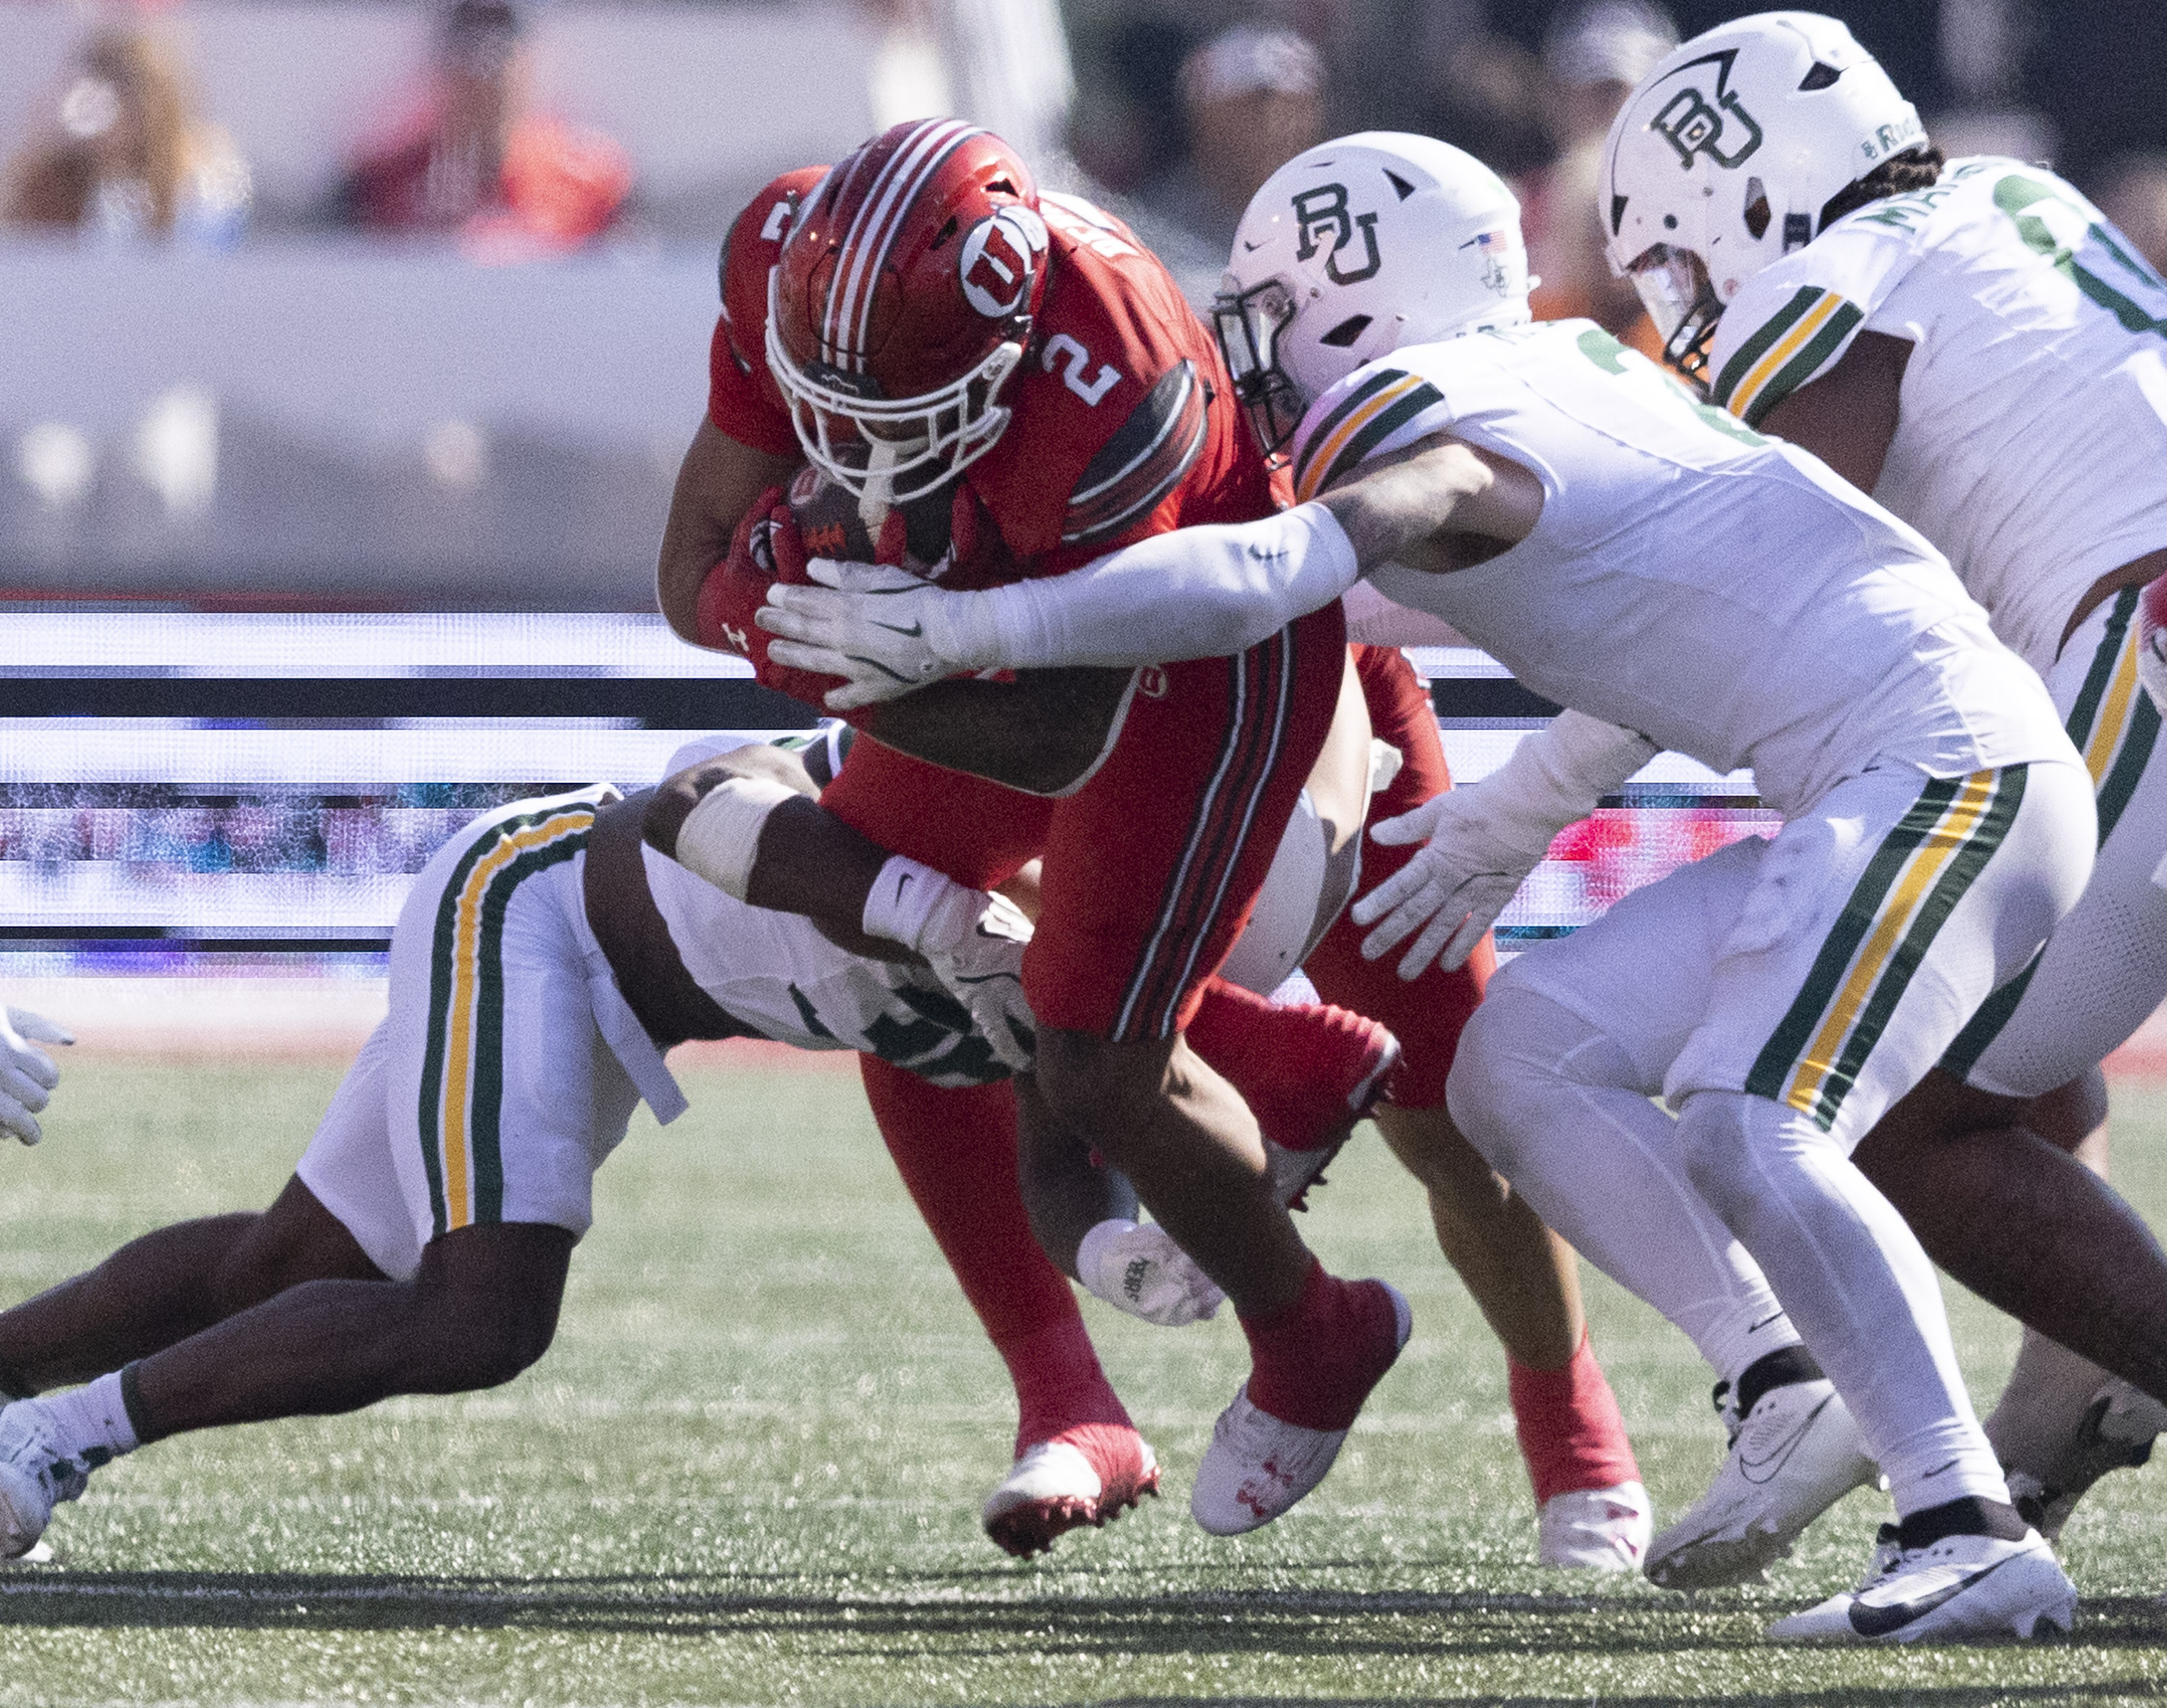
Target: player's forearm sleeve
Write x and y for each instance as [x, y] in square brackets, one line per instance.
[1197, 593]
[1556, 776]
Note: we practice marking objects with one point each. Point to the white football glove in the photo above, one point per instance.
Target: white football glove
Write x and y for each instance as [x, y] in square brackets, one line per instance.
[1483, 840]
[883, 629]
[981, 965]
[27, 1074]
[1139, 1269]
[973, 941]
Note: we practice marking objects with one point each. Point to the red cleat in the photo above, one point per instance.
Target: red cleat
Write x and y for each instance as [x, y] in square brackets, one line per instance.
[1086, 1474]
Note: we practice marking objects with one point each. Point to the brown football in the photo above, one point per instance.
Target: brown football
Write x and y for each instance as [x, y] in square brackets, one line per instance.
[829, 519]
[832, 522]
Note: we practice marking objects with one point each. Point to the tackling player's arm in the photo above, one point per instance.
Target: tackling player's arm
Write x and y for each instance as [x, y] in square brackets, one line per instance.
[750, 823]
[1439, 505]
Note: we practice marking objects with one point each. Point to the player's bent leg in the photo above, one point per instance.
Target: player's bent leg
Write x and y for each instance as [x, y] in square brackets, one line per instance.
[2027, 1226]
[1079, 1459]
[1559, 1106]
[482, 1309]
[168, 1285]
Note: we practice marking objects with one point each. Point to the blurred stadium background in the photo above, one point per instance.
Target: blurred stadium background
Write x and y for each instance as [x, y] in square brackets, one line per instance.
[351, 346]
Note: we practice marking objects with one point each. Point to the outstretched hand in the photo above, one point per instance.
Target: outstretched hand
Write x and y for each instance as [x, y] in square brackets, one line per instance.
[27, 1074]
[1450, 892]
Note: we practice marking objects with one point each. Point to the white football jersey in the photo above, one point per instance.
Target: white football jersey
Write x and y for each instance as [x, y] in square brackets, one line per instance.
[2031, 443]
[1722, 592]
[776, 973]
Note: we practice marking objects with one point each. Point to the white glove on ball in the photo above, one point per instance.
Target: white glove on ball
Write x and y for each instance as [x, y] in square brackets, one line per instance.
[973, 941]
[27, 1074]
[883, 629]
[1139, 1269]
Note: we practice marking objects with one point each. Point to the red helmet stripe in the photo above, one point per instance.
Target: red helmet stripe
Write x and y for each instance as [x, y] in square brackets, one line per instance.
[873, 235]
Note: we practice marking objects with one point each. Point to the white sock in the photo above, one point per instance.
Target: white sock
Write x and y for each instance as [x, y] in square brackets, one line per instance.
[91, 1423]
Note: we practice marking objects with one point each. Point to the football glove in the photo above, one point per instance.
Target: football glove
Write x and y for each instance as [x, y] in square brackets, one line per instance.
[27, 1074]
[973, 941]
[878, 627]
[1483, 840]
[1139, 1269]
[766, 547]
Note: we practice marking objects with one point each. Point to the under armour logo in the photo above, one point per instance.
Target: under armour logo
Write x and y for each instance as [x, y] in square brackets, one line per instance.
[1324, 209]
[1692, 125]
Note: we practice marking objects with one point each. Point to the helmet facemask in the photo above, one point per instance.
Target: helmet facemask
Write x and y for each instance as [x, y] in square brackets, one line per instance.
[1675, 288]
[896, 449]
[1249, 324]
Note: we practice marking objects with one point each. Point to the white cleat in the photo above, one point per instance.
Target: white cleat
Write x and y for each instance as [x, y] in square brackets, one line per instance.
[1596, 1530]
[1258, 1466]
[35, 1478]
[1960, 1588]
[2116, 1434]
[1796, 1456]
[1089, 1473]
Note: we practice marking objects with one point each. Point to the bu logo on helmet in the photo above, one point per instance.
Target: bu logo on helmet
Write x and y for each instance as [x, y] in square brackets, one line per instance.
[998, 260]
[1324, 209]
[1692, 126]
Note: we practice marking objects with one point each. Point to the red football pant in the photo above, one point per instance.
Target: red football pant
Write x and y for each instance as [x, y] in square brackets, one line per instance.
[1153, 866]
[1426, 1014]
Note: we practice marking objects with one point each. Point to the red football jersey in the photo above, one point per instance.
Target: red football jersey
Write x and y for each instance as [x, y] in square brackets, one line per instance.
[1123, 422]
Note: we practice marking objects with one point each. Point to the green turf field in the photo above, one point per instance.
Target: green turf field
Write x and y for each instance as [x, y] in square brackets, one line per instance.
[749, 1471]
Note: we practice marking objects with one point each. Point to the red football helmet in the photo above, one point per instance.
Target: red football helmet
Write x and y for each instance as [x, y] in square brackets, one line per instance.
[902, 303]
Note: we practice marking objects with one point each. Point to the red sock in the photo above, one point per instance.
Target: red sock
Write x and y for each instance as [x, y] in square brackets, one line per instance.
[1296, 1066]
[1314, 1363]
[956, 1152]
[1571, 1434]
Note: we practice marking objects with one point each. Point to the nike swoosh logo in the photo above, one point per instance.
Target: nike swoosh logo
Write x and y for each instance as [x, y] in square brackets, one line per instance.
[915, 631]
[1252, 247]
[1937, 1471]
[1263, 557]
[1756, 1328]
[1879, 1621]
[1761, 1470]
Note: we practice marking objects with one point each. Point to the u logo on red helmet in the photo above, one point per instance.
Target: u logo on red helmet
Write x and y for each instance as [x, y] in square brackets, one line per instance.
[1000, 259]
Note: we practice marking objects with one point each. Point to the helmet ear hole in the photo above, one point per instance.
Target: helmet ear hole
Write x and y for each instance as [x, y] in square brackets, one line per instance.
[1822, 74]
[1757, 211]
[1342, 335]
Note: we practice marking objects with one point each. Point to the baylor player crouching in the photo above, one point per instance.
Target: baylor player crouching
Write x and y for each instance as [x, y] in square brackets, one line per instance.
[422, 1245]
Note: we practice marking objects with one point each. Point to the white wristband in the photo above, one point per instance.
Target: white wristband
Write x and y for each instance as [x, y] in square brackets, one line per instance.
[903, 901]
[720, 837]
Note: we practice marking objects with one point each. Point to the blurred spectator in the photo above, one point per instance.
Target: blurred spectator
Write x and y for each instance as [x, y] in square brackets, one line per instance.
[120, 156]
[1128, 125]
[1253, 99]
[2132, 193]
[1593, 54]
[472, 161]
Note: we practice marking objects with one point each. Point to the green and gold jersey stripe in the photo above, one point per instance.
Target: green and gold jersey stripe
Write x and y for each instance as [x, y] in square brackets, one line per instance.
[2114, 723]
[1385, 404]
[462, 1091]
[1783, 355]
[2116, 726]
[1917, 877]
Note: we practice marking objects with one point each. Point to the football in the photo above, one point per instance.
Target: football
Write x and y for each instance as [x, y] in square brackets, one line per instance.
[835, 522]
[832, 520]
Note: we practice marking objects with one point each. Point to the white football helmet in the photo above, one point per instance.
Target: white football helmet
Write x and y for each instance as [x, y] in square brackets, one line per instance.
[1722, 159]
[1357, 247]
